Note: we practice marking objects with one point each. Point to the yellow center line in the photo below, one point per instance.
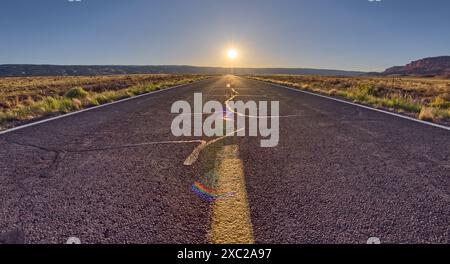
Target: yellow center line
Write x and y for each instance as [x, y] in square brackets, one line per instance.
[230, 221]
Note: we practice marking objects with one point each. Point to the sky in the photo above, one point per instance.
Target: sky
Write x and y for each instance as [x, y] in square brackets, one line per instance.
[328, 34]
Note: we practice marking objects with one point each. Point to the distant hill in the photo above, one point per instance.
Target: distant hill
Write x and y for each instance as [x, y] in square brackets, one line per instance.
[22, 70]
[430, 67]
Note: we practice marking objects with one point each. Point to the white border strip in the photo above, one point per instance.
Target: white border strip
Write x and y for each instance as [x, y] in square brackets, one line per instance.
[359, 105]
[96, 107]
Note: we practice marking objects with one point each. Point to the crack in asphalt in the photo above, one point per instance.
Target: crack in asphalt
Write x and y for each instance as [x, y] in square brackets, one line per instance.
[54, 161]
[31, 145]
[58, 153]
[133, 146]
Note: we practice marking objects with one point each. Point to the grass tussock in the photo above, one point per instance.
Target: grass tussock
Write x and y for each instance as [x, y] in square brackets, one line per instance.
[426, 98]
[441, 102]
[426, 114]
[76, 93]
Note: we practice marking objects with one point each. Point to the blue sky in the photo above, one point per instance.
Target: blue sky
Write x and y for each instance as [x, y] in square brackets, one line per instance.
[337, 34]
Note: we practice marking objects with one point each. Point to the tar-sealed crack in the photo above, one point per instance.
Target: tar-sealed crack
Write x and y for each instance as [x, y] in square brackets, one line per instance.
[59, 154]
[53, 164]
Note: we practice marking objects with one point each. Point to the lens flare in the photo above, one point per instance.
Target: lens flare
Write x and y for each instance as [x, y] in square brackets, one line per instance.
[208, 194]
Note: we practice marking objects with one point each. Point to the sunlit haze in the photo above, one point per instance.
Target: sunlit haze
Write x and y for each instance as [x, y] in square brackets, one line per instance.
[353, 34]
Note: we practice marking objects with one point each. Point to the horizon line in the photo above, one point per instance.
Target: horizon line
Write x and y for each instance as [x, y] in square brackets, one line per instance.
[182, 65]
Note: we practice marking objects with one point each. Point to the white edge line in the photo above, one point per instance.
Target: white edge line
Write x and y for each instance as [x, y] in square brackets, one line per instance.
[359, 105]
[95, 107]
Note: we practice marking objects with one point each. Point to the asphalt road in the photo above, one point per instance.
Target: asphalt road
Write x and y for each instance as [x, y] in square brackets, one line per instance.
[115, 174]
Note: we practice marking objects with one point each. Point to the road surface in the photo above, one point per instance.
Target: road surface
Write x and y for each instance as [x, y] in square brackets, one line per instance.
[116, 174]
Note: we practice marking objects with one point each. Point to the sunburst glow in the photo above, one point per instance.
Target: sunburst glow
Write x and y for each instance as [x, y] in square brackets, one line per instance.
[232, 54]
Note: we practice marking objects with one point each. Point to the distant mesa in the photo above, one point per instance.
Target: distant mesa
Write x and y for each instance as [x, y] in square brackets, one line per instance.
[428, 67]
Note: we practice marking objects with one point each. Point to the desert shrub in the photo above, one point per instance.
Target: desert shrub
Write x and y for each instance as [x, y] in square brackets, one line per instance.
[442, 114]
[66, 105]
[401, 103]
[440, 102]
[426, 114]
[305, 86]
[76, 92]
[141, 89]
[445, 96]
[110, 96]
[155, 87]
[77, 104]
[6, 116]
[29, 101]
[102, 98]
[368, 89]
[3, 117]
[359, 93]
[333, 92]
[136, 90]
[92, 101]
[49, 104]
[53, 104]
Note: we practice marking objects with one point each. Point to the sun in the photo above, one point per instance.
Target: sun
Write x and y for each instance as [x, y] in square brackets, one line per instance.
[232, 54]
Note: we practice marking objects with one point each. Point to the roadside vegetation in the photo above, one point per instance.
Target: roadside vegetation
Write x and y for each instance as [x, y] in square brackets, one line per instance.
[424, 98]
[23, 99]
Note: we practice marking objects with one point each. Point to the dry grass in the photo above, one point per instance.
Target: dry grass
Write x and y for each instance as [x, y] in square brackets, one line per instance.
[425, 98]
[17, 90]
[22, 99]
[426, 114]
